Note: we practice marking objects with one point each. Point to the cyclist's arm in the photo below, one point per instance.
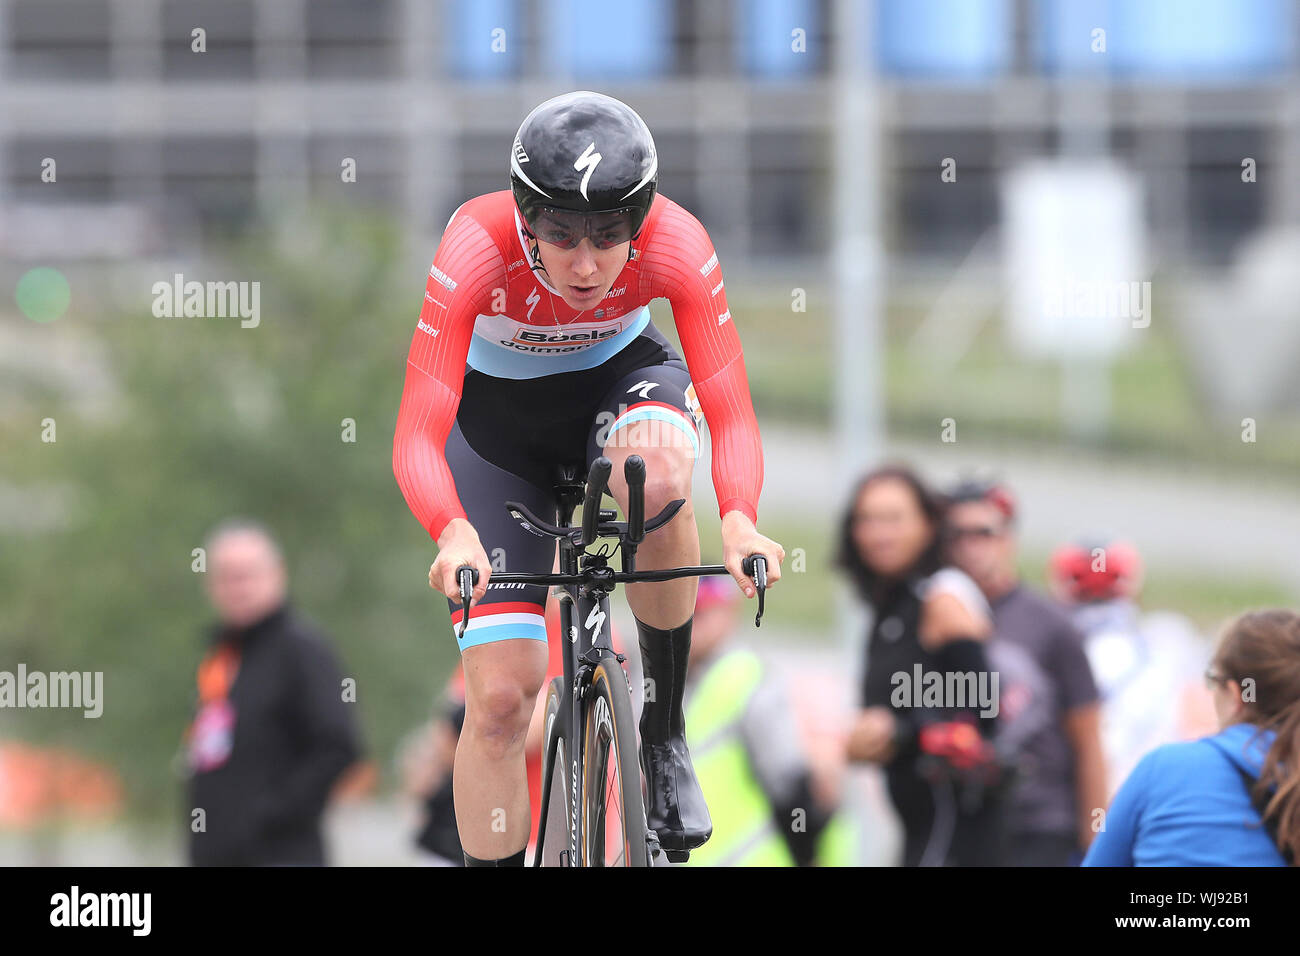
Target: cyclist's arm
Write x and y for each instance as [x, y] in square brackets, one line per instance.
[466, 269]
[680, 264]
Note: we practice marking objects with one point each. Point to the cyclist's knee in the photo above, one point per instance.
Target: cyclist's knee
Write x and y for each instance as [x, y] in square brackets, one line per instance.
[668, 477]
[667, 450]
[502, 681]
[497, 712]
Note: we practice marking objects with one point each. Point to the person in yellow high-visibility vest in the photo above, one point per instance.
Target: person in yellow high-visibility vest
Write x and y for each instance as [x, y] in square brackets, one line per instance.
[747, 753]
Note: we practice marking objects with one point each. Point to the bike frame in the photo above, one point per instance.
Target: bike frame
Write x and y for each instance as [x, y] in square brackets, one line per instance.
[584, 646]
[584, 582]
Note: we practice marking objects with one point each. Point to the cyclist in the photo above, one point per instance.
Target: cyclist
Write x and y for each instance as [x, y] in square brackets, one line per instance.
[534, 348]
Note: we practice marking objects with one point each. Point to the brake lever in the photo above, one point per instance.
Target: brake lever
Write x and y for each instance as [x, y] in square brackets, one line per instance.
[467, 576]
[755, 566]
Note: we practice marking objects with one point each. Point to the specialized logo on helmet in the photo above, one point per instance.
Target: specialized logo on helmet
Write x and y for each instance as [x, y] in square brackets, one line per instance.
[587, 161]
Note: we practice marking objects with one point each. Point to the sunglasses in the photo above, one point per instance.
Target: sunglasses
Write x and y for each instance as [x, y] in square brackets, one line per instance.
[979, 531]
[566, 228]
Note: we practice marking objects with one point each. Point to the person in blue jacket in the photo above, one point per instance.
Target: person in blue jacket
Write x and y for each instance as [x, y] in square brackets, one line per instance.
[1198, 803]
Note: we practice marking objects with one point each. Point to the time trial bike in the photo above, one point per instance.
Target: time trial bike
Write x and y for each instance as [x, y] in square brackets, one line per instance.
[593, 807]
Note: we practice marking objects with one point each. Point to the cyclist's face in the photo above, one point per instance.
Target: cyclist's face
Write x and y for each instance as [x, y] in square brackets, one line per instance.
[980, 543]
[582, 275]
[246, 580]
[890, 528]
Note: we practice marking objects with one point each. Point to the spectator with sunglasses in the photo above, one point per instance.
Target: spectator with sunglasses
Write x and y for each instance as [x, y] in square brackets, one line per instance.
[1061, 785]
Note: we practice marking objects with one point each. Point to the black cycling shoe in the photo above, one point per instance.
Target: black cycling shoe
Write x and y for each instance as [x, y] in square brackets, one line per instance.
[675, 809]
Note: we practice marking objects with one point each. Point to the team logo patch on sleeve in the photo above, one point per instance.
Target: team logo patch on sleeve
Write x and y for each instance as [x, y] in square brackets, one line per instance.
[693, 405]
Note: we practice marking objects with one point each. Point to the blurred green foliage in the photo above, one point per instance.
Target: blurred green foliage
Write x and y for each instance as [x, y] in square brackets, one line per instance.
[220, 420]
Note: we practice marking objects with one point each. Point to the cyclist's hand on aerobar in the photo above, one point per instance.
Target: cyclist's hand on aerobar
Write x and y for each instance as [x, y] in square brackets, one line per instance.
[457, 545]
[740, 539]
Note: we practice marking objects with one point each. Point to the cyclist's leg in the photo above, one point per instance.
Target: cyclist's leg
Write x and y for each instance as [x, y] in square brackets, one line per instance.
[651, 412]
[504, 656]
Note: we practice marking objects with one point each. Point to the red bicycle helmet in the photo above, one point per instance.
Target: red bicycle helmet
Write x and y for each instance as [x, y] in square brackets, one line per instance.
[1083, 572]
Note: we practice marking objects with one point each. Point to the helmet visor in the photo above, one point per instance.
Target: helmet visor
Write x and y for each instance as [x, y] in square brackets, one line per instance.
[566, 228]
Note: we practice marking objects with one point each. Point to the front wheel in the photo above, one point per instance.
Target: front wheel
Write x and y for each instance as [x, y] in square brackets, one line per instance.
[612, 805]
[557, 812]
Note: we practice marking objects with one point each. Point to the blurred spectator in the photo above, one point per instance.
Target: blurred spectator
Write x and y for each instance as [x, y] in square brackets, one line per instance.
[1061, 772]
[272, 733]
[1232, 799]
[751, 764]
[934, 620]
[1146, 665]
[427, 771]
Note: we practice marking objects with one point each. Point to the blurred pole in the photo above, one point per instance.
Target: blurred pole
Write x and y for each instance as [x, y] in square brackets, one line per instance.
[557, 71]
[282, 123]
[723, 163]
[1285, 190]
[1084, 121]
[858, 342]
[136, 68]
[855, 241]
[5, 84]
[430, 170]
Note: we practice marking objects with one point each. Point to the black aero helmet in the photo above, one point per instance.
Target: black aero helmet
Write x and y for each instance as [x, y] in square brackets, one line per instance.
[584, 152]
